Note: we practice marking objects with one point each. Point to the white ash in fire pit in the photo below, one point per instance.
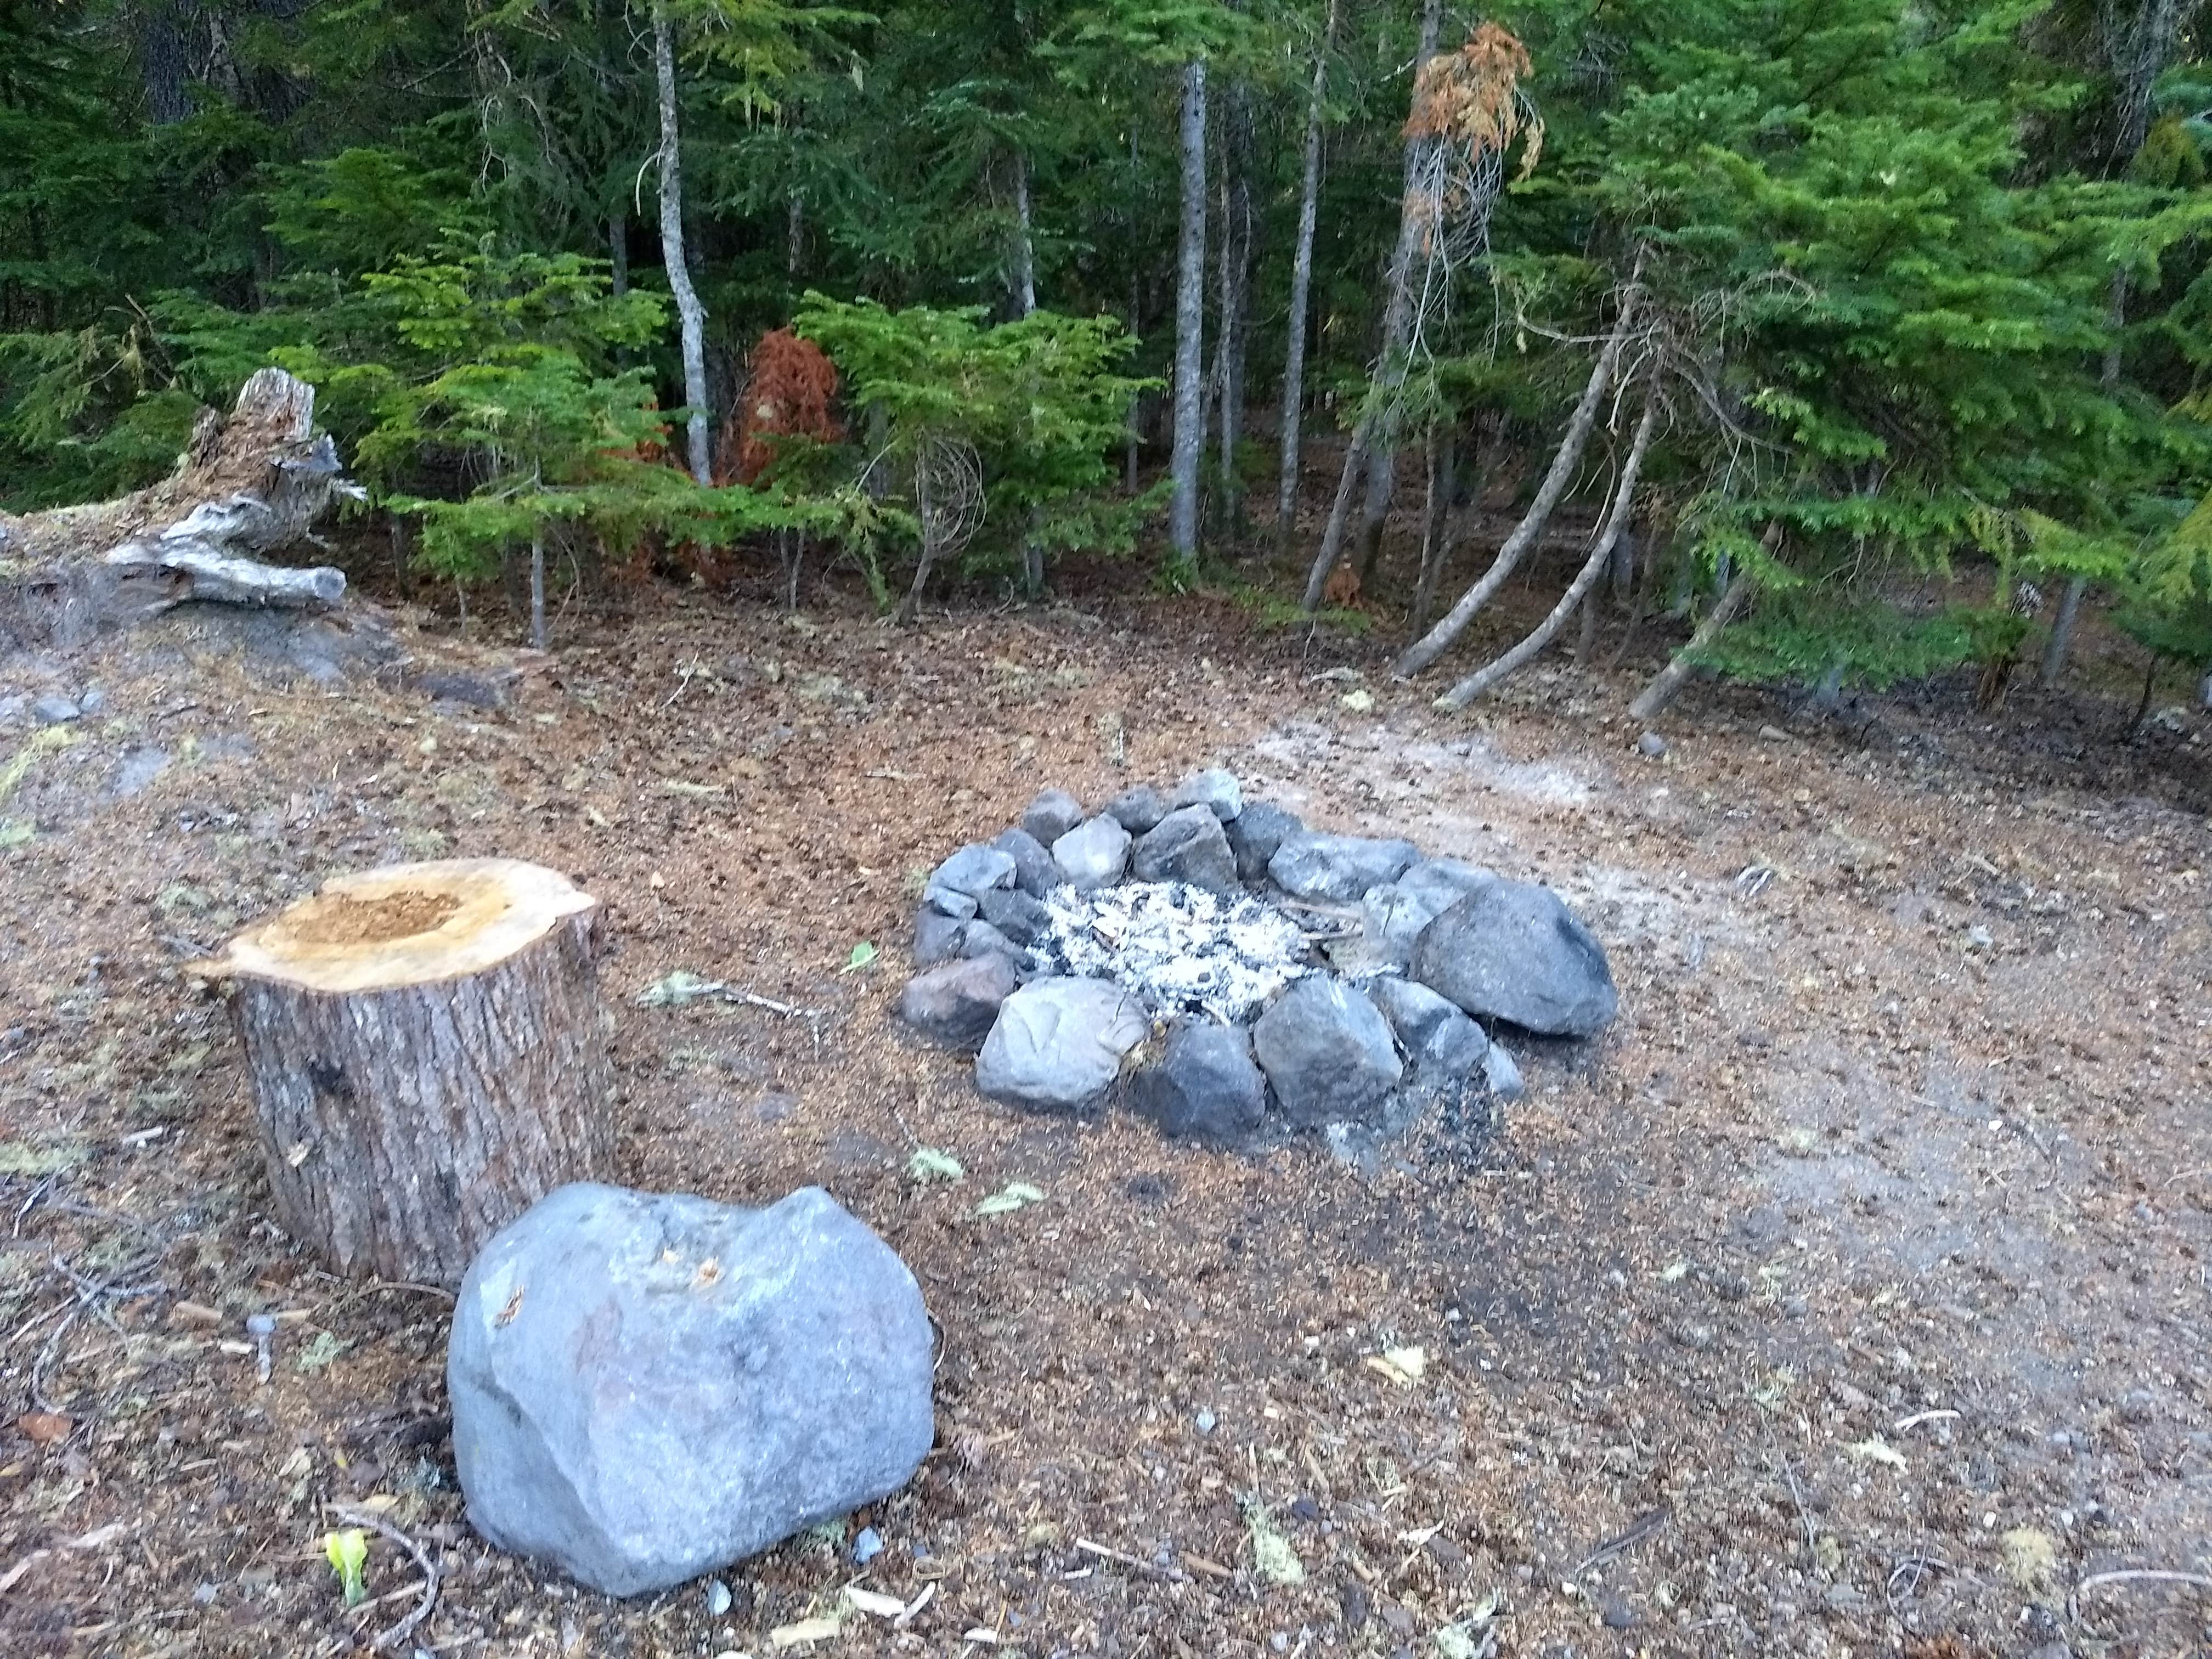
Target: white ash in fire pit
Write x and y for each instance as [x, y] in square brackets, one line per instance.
[1162, 947]
[1179, 948]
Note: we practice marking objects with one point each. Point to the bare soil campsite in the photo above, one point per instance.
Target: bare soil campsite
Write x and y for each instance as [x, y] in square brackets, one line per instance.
[1848, 1294]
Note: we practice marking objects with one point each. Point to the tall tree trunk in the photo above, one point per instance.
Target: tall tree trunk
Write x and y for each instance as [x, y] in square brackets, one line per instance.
[1583, 589]
[794, 233]
[1382, 461]
[2060, 646]
[1373, 438]
[1235, 292]
[1435, 523]
[691, 316]
[538, 592]
[1432, 644]
[1190, 321]
[910, 606]
[1294, 355]
[1024, 247]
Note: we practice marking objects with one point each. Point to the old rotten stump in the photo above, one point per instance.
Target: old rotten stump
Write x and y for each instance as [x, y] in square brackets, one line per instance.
[429, 1054]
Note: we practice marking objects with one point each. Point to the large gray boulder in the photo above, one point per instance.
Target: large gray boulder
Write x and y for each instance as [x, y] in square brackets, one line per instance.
[1338, 868]
[1438, 1038]
[1257, 833]
[1204, 1085]
[1094, 855]
[1058, 1043]
[1052, 815]
[1327, 1051]
[1186, 845]
[1512, 951]
[647, 1387]
[956, 1003]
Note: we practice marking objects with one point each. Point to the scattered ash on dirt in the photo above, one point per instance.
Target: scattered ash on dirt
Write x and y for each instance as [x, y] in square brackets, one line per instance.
[1177, 947]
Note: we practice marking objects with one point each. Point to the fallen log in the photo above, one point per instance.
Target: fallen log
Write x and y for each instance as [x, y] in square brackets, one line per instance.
[250, 484]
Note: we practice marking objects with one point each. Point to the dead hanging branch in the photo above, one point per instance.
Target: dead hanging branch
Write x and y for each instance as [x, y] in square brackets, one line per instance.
[1616, 520]
[1669, 679]
[250, 484]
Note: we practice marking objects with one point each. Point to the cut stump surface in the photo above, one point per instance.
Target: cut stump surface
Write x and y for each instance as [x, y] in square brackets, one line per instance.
[428, 1051]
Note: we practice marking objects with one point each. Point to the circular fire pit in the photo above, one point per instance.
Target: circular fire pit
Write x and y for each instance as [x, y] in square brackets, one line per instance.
[1236, 974]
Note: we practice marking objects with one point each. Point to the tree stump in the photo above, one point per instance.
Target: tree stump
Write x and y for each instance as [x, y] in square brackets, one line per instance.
[429, 1053]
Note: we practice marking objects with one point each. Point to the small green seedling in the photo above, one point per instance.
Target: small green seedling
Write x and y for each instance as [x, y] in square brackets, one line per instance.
[863, 954]
[348, 1552]
[1011, 1197]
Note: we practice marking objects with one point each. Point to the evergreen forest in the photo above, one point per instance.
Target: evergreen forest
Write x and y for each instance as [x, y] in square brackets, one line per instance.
[1854, 341]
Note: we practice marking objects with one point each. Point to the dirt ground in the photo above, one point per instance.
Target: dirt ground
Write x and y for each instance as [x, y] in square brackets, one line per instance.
[1849, 1295]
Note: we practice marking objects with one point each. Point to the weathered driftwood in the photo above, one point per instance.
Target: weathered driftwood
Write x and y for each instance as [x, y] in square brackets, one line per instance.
[428, 1056]
[250, 484]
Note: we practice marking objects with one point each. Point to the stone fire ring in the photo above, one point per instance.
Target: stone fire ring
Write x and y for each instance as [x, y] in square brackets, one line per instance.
[1237, 974]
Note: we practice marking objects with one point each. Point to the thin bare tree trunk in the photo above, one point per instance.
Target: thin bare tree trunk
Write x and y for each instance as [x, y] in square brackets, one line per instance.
[1669, 679]
[1294, 357]
[1235, 292]
[1024, 248]
[1189, 448]
[691, 316]
[1374, 437]
[538, 592]
[1432, 644]
[910, 606]
[1436, 538]
[2060, 646]
[1581, 589]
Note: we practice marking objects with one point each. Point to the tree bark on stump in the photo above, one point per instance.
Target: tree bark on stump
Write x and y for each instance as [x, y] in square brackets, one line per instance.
[429, 1054]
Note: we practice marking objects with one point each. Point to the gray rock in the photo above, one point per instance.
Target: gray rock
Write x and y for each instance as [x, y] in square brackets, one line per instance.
[1436, 1035]
[1327, 1051]
[1187, 846]
[1015, 913]
[1503, 1076]
[948, 902]
[1058, 1043]
[466, 689]
[954, 1003]
[1513, 952]
[1204, 1085]
[51, 710]
[1034, 872]
[1651, 745]
[975, 870]
[1138, 809]
[12, 707]
[936, 937]
[1093, 855]
[1394, 913]
[1256, 833]
[1216, 787]
[1340, 868]
[1052, 815]
[647, 1387]
[980, 938]
[91, 701]
[1439, 884]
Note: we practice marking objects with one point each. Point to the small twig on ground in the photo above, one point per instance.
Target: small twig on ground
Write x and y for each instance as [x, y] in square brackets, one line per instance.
[1638, 1530]
[1104, 1552]
[376, 1523]
[1914, 1569]
[2134, 1576]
